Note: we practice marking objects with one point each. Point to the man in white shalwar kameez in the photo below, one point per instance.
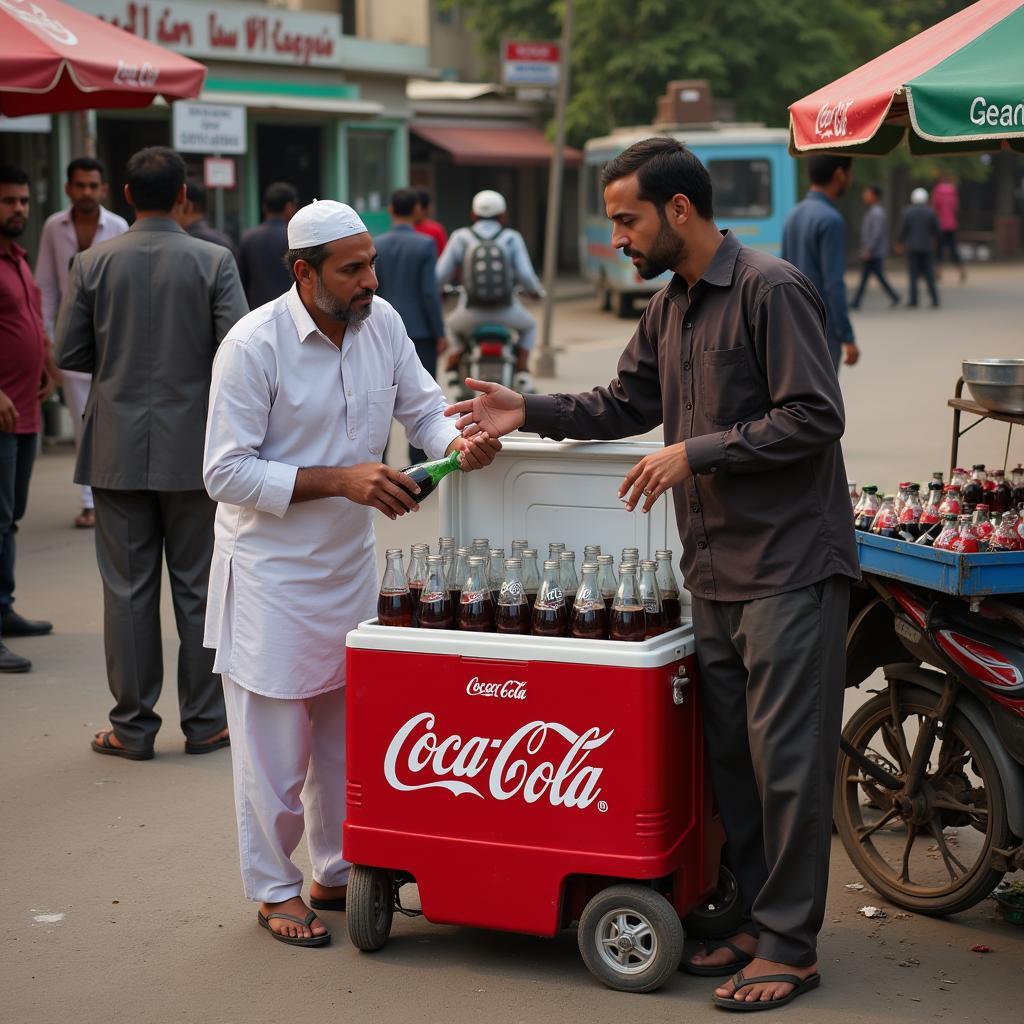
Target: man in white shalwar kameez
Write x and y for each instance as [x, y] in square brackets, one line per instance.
[303, 394]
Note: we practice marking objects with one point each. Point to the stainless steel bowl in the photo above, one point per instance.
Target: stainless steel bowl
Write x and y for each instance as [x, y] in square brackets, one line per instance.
[996, 384]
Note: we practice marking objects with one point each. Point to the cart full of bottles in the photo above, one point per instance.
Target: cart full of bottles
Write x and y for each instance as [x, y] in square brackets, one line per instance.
[974, 512]
[478, 589]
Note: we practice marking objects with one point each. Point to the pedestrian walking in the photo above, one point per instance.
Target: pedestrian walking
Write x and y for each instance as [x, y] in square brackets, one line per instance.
[814, 241]
[874, 246]
[405, 275]
[732, 357]
[427, 226]
[946, 203]
[260, 256]
[27, 376]
[85, 223]
[193, 217]
[143, 314]
[917, 237]
[303, 394]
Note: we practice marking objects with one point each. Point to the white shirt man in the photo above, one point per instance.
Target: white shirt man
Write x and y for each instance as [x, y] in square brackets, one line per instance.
[304, 390]
[85, 223]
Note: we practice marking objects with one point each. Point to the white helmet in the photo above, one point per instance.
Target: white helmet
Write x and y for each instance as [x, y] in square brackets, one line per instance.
[489, 203]
[919, 196]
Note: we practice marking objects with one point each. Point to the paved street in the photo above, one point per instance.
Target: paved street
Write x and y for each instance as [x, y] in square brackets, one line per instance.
[119, 881]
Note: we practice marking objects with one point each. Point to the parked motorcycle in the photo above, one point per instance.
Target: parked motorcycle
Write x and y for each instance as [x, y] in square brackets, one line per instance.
[929, 796]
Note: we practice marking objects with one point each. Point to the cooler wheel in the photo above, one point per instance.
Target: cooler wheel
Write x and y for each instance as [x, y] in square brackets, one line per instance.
[369, 906]
[631, 938]
[719, 914]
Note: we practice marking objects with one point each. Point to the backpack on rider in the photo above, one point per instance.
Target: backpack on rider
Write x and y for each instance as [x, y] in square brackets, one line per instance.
[487, 273]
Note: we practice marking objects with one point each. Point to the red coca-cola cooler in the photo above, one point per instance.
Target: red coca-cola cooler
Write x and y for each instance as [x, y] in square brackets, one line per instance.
[525, 783]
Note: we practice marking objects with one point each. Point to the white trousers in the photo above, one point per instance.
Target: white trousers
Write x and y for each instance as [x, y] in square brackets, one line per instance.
[288, 762]
[76, 393]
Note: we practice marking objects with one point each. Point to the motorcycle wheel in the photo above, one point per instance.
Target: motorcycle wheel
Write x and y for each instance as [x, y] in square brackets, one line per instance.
[929, 851]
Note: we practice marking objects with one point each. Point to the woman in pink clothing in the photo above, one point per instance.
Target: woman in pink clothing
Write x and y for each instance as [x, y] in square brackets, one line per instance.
[946, 203]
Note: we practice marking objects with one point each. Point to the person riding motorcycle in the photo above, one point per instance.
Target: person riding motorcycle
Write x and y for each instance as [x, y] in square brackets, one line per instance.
[489, 230]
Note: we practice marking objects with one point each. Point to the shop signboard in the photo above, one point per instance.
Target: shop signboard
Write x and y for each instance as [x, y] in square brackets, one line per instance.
[208, 127]
[246, 32]
[39, 124]
[529, 64]
[219, 172]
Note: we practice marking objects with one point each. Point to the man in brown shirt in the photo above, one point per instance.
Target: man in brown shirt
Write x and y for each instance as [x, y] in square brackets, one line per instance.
[731, 357]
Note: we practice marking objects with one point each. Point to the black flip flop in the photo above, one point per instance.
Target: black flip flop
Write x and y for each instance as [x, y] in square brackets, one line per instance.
[800, 986]
[289, 940]
[337, 904]
[191, 747]
[718, 970]
[104, 746]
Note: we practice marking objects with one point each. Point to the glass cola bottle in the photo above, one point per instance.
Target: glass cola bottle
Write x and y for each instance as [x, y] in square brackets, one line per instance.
[555, 548]
[965, 542]
[1001, 495]
[959, 477]
[671, 603]
[480, 546]
[549, 615]
[983, 525]
[476, 609]
[531, 576]
[867, 508]
[495, 571]
[427, 475]
[910, 514]
[1006, 536]
[630, 556]
[974, 491]
[590, 552]
[394, 605]
[589, 619]
[446, 549]
[951, 501]
[650, 597]
[902, 494]
[1017, 482]
[417, 575]
[948, 533]
[628, 621]
[886, 522]
[854, 494]
[567, 576]
[456, 575]
[606, 581]
[513, 612]
[518, 547]
[436, 611]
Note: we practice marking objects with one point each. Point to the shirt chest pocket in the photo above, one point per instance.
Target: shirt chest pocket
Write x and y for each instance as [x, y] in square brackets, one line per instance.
[731, 390]
[380, 408]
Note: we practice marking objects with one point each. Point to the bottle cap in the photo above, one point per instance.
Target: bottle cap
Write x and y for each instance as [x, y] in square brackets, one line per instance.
[550, 565]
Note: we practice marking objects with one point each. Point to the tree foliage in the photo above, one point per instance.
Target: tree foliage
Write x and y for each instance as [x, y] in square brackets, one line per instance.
[763, 54]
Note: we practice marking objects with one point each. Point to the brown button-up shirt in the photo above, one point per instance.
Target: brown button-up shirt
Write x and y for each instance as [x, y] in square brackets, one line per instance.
[738, 368]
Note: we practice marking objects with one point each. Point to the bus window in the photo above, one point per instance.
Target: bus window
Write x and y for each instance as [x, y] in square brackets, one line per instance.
[592, 189]
[742, 188]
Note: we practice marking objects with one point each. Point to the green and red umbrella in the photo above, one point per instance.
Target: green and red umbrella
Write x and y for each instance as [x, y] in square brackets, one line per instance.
[957, 87]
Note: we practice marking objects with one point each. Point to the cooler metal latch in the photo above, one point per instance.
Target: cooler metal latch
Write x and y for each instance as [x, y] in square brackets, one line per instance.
[680, 684]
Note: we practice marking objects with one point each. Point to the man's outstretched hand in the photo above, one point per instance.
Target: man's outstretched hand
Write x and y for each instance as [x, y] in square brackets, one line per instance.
[497, 410]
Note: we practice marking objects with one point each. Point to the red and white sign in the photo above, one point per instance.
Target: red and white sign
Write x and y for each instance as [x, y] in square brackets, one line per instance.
[232, 31]
[530, 63]
[219, 172]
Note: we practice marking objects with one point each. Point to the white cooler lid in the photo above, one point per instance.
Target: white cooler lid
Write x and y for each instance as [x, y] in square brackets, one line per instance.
[558, 491]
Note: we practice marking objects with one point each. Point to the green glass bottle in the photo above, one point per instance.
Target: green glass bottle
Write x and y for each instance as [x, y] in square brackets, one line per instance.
[429, 474]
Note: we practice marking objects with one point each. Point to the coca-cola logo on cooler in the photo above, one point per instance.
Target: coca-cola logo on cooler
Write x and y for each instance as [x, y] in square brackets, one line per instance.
[831, 121]
[539, 761]
[511, 689]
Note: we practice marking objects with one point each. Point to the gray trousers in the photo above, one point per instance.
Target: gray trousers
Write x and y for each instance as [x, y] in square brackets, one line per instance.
[135, 530]
[464, 319]
[772, 680]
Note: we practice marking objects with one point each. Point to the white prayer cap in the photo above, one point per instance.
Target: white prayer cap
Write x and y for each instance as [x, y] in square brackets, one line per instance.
[322, 221]
[489, 203]
[919, 196]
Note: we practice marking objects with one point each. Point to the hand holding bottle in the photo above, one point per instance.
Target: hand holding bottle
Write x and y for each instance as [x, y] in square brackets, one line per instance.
[497, 410]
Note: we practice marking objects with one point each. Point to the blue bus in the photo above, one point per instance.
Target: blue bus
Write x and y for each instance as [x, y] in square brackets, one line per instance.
[754, 180]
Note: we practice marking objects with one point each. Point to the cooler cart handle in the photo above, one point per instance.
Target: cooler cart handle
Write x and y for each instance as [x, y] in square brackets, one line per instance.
[680, 685]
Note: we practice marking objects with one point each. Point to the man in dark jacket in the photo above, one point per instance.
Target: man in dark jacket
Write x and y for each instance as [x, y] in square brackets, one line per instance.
[405, 275]
[193, 217]
[261, 254]
[918, 236]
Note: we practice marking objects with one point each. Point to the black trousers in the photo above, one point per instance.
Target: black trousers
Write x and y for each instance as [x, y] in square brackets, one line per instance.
[135, 531]
[873, 267]
[921, 264]
[772, 680]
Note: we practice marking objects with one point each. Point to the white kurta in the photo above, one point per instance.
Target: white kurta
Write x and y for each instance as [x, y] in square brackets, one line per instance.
[288, 582]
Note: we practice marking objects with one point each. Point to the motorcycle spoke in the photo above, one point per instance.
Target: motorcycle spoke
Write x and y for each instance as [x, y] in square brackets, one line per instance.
[904, 876]
[896, 743]
[947, 857]
[955, 805]
[865, 832]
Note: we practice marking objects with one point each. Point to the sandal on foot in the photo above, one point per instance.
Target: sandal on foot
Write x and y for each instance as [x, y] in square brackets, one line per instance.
[291, 940]
[85, 520]
[102, 745]
[800, 986]
[335, 904]
[192, 747]
[718, 970]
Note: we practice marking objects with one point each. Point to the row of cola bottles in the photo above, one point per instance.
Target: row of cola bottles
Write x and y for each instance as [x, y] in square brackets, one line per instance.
[979, 512]
[478, 589]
